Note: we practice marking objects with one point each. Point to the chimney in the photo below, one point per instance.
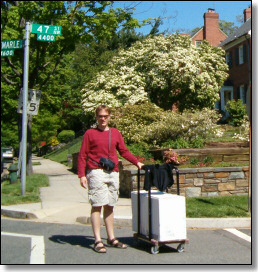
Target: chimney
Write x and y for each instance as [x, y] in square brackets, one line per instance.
[247, 13]
[211, 24]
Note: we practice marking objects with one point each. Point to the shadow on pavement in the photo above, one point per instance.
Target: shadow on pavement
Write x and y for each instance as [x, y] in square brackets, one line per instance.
[74, 240]
[88, 242]
[145, 246]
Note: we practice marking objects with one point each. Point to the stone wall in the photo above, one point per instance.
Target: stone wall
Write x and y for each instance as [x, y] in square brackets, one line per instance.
[219, 154]
[194, 182]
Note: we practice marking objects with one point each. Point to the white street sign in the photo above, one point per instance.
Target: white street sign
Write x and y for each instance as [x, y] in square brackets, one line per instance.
[33, 102]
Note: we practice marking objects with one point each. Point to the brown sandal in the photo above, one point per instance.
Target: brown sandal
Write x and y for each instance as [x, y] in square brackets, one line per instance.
[99, 248]
[116, 245]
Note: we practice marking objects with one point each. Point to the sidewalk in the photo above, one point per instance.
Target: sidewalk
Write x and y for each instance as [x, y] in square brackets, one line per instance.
[66, 202]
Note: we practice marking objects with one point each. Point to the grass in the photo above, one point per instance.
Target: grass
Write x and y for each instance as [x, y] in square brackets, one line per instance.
[60, 155]
[11, 193]
[228, 134]
[217, 206]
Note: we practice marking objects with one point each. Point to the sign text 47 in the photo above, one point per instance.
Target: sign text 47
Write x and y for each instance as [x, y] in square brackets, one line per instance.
[46, 29]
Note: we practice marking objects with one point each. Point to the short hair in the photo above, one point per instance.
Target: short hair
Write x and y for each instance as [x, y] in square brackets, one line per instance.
[102, 107]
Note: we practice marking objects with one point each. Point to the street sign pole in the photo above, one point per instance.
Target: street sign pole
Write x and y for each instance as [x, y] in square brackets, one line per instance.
[24, 112]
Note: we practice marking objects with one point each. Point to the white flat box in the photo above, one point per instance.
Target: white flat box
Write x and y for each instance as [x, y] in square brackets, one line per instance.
[168, 215]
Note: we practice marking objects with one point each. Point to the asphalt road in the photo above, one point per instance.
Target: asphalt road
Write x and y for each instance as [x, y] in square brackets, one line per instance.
[24, 242]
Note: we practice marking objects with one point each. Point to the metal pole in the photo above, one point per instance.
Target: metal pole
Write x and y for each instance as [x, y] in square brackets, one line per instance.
[24, 111]
[250, 120]
[19, 161]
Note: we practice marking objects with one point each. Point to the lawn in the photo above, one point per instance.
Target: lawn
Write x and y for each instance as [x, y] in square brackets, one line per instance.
[217, 206]
[228, 134]
[60, 155]
[11, 193]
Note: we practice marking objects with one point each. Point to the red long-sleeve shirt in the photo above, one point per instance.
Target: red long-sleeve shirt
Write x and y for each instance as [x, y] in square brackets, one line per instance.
[95, 145]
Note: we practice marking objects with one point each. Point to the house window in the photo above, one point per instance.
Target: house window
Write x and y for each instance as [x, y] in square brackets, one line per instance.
[241, 54]
[242, 94]
[229, 59]
[226, 94]
[227, 97]
[198, 43]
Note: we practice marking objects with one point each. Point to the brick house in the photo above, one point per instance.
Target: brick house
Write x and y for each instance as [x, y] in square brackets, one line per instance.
[238, 56]
[210, 31]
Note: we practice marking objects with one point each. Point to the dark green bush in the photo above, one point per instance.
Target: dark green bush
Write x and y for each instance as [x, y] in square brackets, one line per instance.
[208, 160]
[194, 161]
[176, 144]
[183, 130]
[65, 136]
[197, 142]
[237, 112]
[140, 150]
[132, 120]
[147, 124]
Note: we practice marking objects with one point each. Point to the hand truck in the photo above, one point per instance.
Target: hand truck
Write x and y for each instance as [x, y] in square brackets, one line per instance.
[155, 244]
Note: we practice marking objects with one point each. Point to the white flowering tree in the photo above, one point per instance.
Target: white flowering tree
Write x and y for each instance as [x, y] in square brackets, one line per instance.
[161, 69]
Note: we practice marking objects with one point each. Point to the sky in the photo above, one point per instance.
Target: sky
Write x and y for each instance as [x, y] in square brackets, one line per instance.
[183, 15]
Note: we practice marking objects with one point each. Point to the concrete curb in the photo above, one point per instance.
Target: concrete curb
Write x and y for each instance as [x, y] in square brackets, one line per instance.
[20, 214]
[191, 223]
[126, 221]
[218, 223]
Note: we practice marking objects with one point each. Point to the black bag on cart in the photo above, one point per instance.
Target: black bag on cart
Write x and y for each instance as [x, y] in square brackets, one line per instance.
[160, 176]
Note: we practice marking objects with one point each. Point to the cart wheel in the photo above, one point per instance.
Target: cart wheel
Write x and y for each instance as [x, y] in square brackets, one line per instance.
[181, 248]
[154, 249]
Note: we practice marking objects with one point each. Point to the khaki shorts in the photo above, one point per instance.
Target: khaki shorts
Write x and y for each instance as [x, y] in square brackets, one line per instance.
[103, 187]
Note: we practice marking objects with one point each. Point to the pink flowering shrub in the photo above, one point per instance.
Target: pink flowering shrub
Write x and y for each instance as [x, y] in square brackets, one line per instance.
[172, 157]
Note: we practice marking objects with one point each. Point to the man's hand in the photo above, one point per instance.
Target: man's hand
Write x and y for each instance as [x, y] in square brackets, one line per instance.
[84, 182]
[140, 165]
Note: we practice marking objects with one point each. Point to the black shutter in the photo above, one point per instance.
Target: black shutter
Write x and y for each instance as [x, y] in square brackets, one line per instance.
[238, 93]
[230, 63]
[244, 52]
[237, 56]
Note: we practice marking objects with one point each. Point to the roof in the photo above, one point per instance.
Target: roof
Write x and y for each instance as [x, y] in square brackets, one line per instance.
[197, 32]
[242, 30]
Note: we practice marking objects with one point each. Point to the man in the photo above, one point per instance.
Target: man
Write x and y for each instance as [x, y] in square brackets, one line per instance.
[102, 184]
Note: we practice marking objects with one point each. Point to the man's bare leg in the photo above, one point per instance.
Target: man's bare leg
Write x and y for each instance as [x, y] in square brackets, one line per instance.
[109, 222]
[95, 221]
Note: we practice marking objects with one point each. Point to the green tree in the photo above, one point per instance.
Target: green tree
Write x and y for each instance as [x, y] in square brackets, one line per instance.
[195, 30]
[227, 27]
[81, 21]
[164, 70]
[44, 126]
[79, 67]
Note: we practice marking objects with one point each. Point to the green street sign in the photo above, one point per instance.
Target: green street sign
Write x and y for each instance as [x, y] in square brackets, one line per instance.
[12, 44]
[45, 37]
[46, 29]
[7, 53]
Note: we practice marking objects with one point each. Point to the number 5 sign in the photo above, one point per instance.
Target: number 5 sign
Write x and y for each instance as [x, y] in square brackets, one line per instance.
[33, 102]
